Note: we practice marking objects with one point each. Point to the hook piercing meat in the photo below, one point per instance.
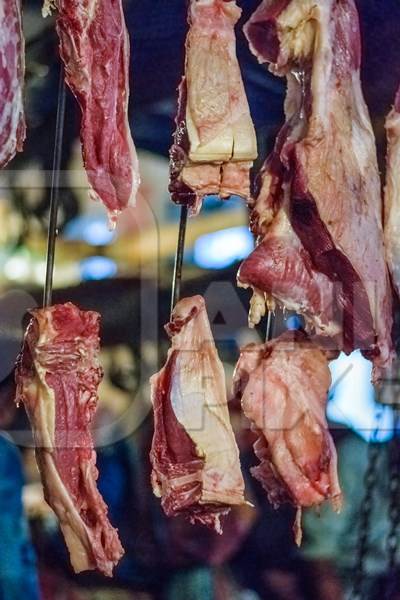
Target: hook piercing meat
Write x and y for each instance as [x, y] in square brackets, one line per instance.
[214, 143]
[283, 386]
[195, 459]
[94, 47]
[323, 176]
[58, 373]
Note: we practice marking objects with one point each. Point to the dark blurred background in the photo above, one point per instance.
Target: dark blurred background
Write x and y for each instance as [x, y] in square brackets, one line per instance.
[125, 275]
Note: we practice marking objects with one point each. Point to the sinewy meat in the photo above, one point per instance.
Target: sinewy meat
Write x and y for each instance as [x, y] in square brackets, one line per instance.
[94, 47]
[323, 172]
[57, 376]
[280, 266]
[392, 194]
[214, 142]
[12, 70]
[283, 387]
[195, 459]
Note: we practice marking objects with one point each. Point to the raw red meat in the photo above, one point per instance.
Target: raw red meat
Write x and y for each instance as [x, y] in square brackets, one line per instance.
[323, 173]
[195, 459]
[58, 373]
[283, 387]
[392, 194]
[94, 47]
[12, 70]
[281, 266]
[214, 143]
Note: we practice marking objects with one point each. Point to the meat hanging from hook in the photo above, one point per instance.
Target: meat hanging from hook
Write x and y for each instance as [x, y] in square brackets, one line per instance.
[53, 329]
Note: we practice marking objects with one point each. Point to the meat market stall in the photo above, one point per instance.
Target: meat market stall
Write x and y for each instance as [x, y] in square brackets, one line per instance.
[230, 170]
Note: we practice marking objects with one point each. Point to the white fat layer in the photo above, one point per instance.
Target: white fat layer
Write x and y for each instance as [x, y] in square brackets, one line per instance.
[363, 137]
[77, 535]
[199, 400]
[392, 198]
[304, 31]
[211, 62]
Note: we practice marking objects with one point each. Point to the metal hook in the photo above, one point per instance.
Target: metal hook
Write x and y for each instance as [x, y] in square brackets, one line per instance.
[55, 189]
[180, 250]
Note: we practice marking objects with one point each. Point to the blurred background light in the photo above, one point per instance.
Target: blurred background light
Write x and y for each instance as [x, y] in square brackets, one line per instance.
[92, 229]
[96, 268]
[18, 265]
[352, 398]
[294, 322]
[222, 248]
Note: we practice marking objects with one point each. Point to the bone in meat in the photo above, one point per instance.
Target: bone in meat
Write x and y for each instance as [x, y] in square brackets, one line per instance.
[195, 459]
[214, 143]
[323, 172]
[283, 387]
[57, 376]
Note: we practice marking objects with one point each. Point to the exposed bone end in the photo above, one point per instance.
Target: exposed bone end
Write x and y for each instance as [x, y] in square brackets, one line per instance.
[48, 7]
[257, 308]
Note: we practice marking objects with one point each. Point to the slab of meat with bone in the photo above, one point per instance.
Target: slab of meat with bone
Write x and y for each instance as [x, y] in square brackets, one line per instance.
[58, 373]
[283, 387]
[318, 209]
[195, 459]
[214, 143]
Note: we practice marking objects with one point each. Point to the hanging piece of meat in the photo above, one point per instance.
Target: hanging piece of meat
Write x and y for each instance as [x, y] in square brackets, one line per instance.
[318, 208]
[94, 46]
[57, 376]
[214, 142]
[12, 70]
[392, 193]
[195, 459]
[283, 387]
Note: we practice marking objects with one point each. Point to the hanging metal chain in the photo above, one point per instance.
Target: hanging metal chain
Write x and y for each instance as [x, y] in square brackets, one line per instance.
[366, 512]
[394, 506]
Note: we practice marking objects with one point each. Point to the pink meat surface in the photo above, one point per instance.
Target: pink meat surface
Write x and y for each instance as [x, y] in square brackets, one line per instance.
[195, 459]
[323, 172]
[58, 373]
[283, 387]
[12, 69]
[213, 124]
[281, 268]
[94, 47]
[392, 193]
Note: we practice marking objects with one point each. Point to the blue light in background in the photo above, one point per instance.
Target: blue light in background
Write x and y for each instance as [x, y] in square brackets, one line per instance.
[294, 322]
[222, 248]
[95, 268]
[92, 229]
[213, 202]
[352, 398]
